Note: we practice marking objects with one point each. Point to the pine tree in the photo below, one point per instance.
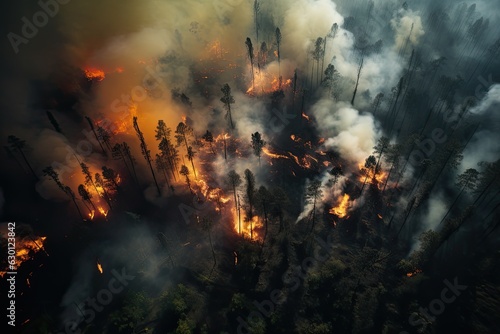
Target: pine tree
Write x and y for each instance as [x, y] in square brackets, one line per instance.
[227, 99]
[257, 144]
[19, 146]
[145, 152]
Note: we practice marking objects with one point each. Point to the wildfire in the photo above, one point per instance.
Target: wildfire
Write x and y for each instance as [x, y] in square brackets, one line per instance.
[342, 208]
[270, 154]
[25, 249]
[102, 211]
[99, 267]
[413, 273]
[378, 178]
[295, 138]
[249, 229]
[94, 73]
[92, 214]
[267, 83]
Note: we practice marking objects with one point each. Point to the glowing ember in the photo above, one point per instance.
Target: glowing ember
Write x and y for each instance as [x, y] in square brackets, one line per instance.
[94, 73]
[99, 267]
[295, 138]
[379, 216]
[413, 273]
[305, 116]
[342, 208]
[91, 214]
[270, 154]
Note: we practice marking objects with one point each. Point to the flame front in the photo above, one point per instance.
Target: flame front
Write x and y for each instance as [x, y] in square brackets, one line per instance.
[342, 208]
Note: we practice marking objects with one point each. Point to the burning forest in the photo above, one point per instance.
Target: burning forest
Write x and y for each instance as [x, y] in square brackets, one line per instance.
[305, 166]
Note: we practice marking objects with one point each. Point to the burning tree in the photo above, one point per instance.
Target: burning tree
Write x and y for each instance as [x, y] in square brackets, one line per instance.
[19, 146]
[227, 99]
[368, 170]
[99, 181]
[145, 152]
[86, 196]
[257, 144]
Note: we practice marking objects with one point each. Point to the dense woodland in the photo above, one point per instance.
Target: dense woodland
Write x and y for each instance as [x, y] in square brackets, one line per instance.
[277, 230]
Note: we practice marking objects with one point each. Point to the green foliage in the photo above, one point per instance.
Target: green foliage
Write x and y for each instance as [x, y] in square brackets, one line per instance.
[134, 309]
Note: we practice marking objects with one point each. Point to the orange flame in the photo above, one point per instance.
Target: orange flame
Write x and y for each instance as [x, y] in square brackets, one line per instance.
[94, 73]
[413, 273]
[342, 208]
[25, 249]
[270, 154]
[102, 211]
[249, 229]
[99, 267]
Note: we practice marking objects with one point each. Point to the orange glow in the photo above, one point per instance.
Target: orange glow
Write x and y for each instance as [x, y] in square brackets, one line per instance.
[305, 116]
[413, 273]
[379, 215]
[99, 267]
[379, 177]
[272, 155]
[295, 138]
[94, 73]
[267, 83]
[102, 211]
[249, 229]
[92, 214]
[25, 249]
[342, 208]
